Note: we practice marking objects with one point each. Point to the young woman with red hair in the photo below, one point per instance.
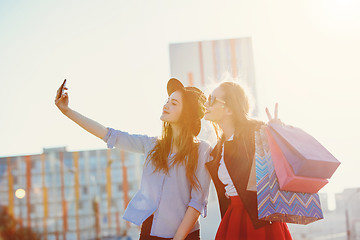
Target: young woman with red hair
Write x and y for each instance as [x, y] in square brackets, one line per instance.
[175, 182]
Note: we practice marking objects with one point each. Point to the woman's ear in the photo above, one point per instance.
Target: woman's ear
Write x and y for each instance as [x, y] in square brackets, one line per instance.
[228, 111]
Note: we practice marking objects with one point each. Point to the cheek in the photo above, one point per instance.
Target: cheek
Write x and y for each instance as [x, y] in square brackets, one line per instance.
[176, 113]
[218, 113]
[212, 114]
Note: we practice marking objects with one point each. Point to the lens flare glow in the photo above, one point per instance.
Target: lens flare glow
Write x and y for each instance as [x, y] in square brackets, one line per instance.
[20, 193]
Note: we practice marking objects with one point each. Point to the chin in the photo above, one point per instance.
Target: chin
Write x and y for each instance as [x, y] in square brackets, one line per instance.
[208, 118]
[165, 119]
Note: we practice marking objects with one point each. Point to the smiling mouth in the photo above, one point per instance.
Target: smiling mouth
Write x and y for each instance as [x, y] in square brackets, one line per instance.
[165, 112]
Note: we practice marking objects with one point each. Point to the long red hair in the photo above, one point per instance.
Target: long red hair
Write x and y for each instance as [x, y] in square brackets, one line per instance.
[187, 146]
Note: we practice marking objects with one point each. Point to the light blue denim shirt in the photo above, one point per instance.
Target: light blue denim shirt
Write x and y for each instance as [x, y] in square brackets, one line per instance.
[167, 196]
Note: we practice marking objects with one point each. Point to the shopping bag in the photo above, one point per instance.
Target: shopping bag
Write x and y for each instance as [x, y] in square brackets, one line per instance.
[275, 204]
[287, 179]
[306, 156]
[252, 178]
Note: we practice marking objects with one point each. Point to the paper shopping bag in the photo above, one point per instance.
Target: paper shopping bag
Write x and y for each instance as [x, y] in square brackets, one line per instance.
[287, 179]
[275, 204]
[252, 178]
[306, 156]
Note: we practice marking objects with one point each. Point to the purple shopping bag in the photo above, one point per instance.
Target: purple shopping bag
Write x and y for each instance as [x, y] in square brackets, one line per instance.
[306, 156]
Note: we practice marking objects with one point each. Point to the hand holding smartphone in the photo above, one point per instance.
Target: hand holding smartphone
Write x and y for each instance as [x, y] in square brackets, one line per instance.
[61, 89]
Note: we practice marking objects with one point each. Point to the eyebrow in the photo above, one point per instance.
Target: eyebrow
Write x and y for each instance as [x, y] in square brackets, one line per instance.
[173, 99]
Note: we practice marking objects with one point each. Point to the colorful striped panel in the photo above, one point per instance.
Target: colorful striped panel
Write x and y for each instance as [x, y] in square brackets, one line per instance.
[275, 204]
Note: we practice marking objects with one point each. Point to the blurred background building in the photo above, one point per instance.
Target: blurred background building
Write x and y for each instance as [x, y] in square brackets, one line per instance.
[71, 195]
[206, 63]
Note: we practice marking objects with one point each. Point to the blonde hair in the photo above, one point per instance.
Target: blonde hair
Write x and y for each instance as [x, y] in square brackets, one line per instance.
[237, 100]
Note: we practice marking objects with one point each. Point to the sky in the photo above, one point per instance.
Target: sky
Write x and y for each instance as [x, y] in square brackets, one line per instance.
[115, 55]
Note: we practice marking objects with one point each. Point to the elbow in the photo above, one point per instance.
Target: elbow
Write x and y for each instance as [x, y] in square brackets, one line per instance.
[200, 207]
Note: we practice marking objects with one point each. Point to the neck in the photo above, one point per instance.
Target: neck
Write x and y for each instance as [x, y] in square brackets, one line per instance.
[228, 127]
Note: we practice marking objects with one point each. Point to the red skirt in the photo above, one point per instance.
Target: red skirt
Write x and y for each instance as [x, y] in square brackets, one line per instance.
[236, 224]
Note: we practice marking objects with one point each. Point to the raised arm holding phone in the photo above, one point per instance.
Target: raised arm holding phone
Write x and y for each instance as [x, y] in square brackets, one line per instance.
[62, 102]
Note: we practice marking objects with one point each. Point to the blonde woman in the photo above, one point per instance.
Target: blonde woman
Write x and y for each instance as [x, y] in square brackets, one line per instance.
[228, 107]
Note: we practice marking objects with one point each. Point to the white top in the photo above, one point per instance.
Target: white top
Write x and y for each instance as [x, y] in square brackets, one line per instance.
[225, 177]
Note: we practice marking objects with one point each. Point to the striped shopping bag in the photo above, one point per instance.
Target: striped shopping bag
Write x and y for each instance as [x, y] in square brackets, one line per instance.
[275, 204]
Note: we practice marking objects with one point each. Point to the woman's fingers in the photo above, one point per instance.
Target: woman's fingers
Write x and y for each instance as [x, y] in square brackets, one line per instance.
[268, 114]
[61, 98]
[276, 118]
[60, 89]
[57, 94]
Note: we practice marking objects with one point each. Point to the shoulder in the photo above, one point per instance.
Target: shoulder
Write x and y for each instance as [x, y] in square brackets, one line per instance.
[204, 145]
[255, 125]
[153, 140]
[248, 133]
[204, 150]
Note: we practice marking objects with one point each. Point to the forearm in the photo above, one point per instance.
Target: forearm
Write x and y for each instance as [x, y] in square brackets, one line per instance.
[88, 124]
[188, 222]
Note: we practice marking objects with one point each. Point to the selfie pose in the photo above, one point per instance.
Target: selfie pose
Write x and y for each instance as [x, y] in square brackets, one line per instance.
[227, 108]
[175, 182]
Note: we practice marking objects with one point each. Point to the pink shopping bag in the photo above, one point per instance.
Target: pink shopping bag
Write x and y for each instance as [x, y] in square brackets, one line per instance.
[288, 181]
[306, 156]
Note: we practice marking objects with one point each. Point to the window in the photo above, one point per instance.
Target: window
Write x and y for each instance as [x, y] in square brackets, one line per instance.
[85, 190]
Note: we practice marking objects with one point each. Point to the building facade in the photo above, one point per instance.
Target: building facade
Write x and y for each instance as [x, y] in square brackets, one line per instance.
[71, 195]
[205, 63]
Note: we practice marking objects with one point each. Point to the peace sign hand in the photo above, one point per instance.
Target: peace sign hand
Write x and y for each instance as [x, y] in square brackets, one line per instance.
[271, 119]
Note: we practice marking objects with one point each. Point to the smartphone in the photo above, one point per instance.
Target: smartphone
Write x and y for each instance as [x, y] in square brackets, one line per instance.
[63, 85]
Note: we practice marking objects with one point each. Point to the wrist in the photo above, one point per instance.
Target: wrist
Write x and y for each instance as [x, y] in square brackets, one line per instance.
[65, 110]
[178, 237]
